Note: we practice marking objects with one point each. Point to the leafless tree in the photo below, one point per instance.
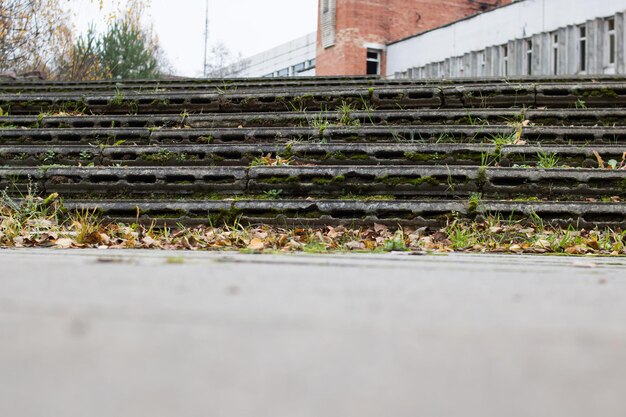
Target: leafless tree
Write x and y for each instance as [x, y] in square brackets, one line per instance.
[223, 63]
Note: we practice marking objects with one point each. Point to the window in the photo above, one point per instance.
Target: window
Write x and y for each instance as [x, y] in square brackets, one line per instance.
[482, 62]
[373, 62]
[299, 67]
[328, 20]
[505, 60]
[610, 30]
[283, 72]
[555, 54]
[312, 63]
[529, 57]
[582, 49]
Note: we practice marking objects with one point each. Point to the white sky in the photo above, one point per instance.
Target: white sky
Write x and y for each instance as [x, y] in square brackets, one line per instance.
[244, 26]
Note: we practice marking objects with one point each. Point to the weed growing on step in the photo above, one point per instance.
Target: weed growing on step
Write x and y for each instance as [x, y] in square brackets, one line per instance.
[162, 155]
[49, 155]
[273, 194]
[320, 122]
[345, 111]
[31, 221]
[547, 160]
[470, 120]
[474, 203]
[612, 163]
[118, 98]
[270, 160]
[580, 104]
[85, 155]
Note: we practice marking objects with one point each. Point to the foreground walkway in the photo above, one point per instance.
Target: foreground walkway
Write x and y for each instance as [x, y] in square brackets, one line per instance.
[132, 333]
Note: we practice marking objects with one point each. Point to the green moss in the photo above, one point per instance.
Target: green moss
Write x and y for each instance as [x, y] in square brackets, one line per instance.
[473, 203]
[206, 139]
[481, 177]
[359, 197]
[161, 156]
[174, 214]
[279, 180]
[603, 92]
[321, 181]
[360, 157]
[327, 181]
[288, 150]
[215, 158]
[162, 102]
[334, 155]
[526, 199]
[397, 180]
[421, 156]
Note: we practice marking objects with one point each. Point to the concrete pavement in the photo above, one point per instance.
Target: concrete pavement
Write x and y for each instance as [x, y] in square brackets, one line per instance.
[146, 333]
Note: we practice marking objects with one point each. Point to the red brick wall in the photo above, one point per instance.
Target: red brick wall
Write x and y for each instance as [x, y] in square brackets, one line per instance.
[384, 21]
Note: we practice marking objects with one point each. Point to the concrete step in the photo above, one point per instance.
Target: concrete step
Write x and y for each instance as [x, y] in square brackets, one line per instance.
[544, 117]
[320, 181]
[503, 134]
[322, 151]
[320, 212]
[8, 85]
[303, 153]
[389, 97]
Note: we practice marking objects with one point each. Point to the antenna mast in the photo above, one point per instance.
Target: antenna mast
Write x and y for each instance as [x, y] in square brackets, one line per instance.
[206, 41]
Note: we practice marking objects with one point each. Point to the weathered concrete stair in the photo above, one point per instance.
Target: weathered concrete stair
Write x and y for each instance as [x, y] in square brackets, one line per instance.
[321, 151]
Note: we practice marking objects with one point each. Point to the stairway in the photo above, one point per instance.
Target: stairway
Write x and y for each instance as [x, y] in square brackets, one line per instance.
[321, 151]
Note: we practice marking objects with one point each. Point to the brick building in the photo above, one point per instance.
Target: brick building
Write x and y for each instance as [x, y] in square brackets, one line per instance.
[455, 38]
[352, 34]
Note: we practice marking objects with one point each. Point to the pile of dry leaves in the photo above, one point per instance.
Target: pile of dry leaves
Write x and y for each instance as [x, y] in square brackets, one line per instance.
[37, 222]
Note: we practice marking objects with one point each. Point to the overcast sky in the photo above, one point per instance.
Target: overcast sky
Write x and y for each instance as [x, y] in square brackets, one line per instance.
[246, 26]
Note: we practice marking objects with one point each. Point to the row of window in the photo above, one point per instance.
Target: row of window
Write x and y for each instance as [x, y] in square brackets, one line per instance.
[590, 48]
[609, 55]
[294, 69]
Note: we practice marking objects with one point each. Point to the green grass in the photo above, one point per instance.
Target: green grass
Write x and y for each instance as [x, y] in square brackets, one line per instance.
[547, 160]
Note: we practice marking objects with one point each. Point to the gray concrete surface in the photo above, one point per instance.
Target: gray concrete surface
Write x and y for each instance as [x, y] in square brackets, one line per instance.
[103, 333]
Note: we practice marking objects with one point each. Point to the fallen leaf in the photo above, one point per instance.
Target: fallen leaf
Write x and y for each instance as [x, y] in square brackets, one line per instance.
[355, 245]
[63, 243]
[593, 244]
[380, 228]
[577, 250]
[149, 242]
[599, 158]
[439, 237]
[370, 244]
[256, 244]
[542, 244]
[105, 239]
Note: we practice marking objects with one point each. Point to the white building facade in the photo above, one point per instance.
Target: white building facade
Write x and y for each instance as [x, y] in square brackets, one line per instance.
[528, 37]
[291, 59]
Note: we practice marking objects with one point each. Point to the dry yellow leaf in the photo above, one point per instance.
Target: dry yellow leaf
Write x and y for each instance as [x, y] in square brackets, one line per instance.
[256, 244]
[63, 243]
